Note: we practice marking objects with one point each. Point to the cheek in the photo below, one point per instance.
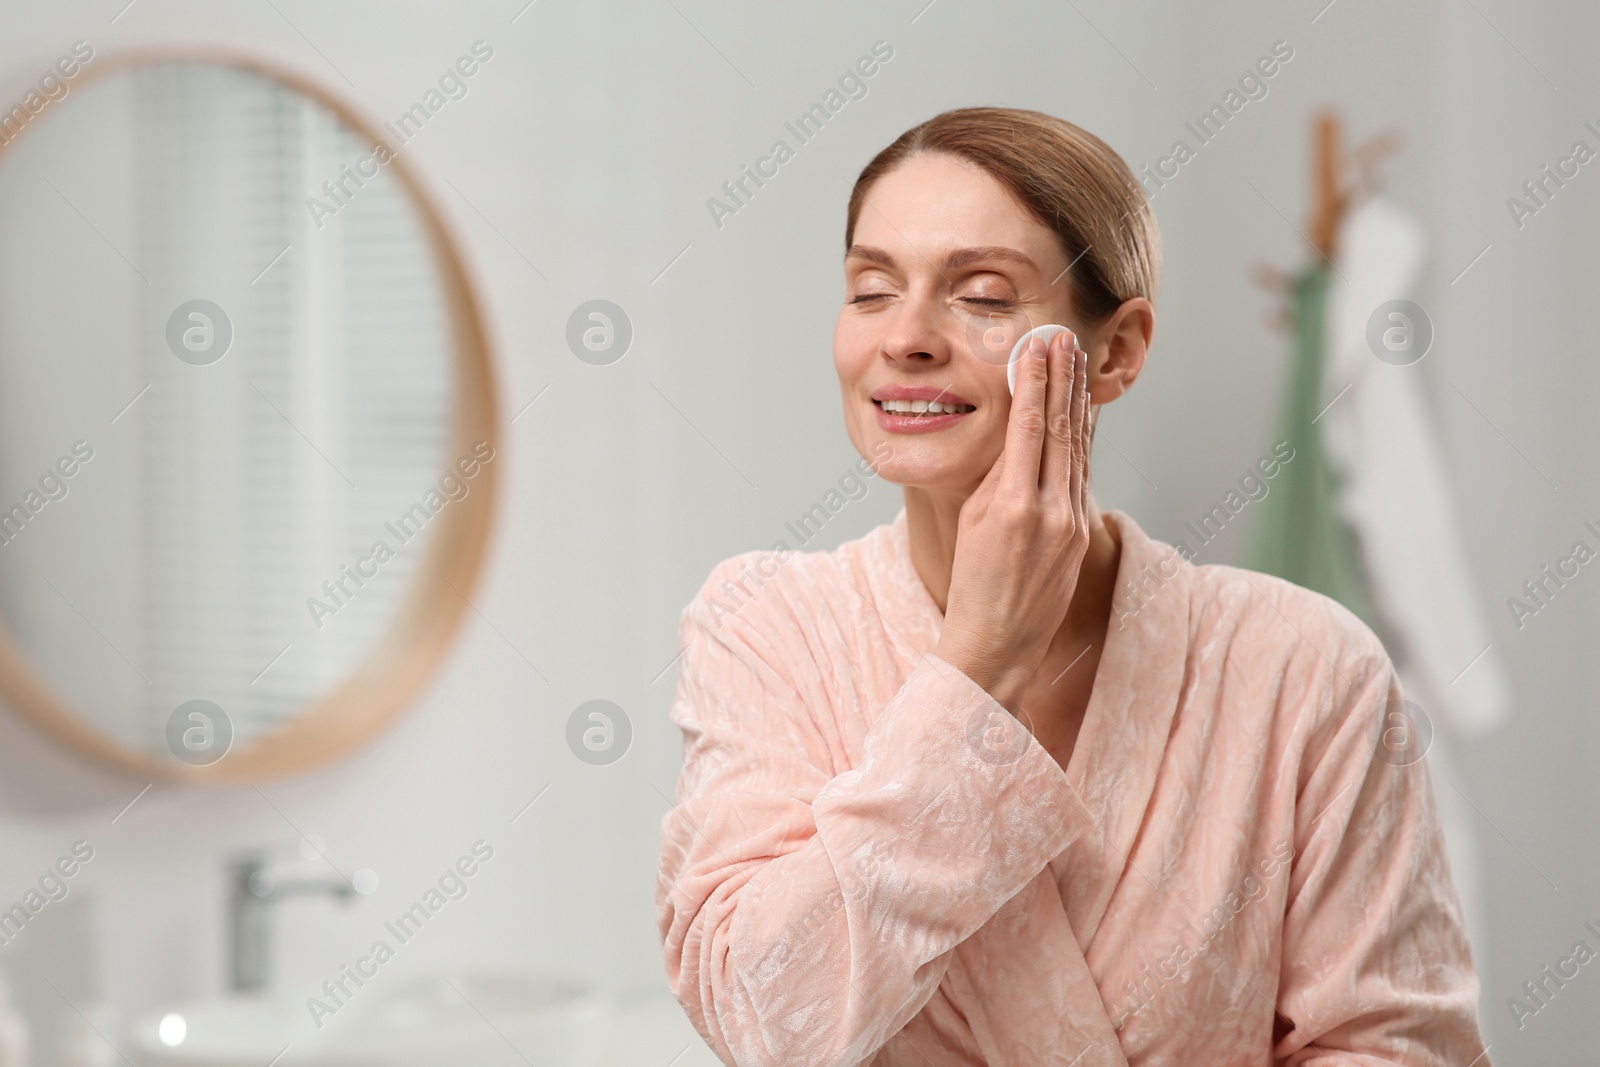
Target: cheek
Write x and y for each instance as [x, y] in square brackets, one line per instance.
[850, 365]
[990, 338]
[853, 346]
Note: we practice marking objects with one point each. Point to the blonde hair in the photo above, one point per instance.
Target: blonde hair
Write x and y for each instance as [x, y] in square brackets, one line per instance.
[1066, 177]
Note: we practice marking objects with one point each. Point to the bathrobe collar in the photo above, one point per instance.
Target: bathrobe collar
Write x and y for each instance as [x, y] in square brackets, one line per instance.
[1123, 740]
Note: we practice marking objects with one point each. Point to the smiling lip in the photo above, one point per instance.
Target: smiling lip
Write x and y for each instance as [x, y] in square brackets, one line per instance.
[919, 392]
[894, 423]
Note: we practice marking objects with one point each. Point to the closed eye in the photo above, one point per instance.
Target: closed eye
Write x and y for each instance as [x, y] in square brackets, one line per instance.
[982, 301]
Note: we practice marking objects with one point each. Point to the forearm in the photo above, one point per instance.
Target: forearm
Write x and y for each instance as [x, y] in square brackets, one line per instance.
[811, 933]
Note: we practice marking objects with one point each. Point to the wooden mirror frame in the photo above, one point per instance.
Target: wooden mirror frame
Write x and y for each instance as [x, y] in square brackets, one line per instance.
[412, 647]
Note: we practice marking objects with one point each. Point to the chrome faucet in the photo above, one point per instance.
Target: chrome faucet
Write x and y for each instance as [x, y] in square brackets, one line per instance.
[252, 889]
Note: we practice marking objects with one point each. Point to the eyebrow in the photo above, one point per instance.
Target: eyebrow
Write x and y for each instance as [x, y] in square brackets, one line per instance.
[957, 259]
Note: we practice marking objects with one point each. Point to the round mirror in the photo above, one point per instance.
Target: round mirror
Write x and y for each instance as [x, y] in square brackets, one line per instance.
[248, 449]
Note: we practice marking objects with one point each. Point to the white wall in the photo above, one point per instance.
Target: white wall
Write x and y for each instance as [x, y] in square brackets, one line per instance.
[578, 168]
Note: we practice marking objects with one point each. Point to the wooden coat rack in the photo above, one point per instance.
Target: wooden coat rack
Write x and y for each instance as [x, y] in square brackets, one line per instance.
[1334, 191]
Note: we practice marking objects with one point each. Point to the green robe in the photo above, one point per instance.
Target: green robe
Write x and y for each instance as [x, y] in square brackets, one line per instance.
[1299, 534]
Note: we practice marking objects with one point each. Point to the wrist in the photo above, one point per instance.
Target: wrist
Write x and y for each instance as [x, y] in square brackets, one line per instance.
[999, 678]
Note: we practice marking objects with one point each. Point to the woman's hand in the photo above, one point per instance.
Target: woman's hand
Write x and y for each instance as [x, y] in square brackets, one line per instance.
[1023, 534]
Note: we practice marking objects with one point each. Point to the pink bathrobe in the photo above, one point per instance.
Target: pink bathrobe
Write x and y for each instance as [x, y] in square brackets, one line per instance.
[870, 861]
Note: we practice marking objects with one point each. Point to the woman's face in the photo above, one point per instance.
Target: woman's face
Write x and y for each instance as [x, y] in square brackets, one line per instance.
[945, 272]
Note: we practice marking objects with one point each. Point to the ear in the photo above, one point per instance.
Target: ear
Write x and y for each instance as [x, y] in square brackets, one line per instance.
[1117, 355]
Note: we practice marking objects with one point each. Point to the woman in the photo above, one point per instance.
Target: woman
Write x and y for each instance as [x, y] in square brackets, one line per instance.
[1006, 781]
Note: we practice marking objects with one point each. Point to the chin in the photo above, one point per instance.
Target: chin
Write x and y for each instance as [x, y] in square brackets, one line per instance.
[922, 462]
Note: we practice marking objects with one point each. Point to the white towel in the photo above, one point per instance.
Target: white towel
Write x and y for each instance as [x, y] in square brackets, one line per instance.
[1395, 496]
[1394, 490]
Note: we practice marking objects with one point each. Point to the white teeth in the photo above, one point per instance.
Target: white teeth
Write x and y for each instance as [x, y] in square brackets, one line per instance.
[923, 407]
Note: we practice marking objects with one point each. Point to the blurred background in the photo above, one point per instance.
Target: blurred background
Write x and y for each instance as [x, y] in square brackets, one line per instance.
[577, 167]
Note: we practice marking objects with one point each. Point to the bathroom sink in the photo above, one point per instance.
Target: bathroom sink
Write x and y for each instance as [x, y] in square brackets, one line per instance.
[227, 1032]
[486, 1020]
[483, 1019]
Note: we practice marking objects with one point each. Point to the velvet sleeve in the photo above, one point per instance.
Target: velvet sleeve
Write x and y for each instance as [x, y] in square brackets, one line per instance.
[1376, 964]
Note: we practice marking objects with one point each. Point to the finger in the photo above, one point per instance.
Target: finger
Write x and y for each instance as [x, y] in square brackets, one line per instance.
[1025, 428]
[1080, 436]
[1060, 443]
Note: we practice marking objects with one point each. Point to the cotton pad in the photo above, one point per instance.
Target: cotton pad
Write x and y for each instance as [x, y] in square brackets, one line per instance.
[1048, 332]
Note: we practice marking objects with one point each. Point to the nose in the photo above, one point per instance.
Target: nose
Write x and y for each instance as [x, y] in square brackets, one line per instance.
[918, 335]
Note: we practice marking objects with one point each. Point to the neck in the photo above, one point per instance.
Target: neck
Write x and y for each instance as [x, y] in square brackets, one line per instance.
[931, 522]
